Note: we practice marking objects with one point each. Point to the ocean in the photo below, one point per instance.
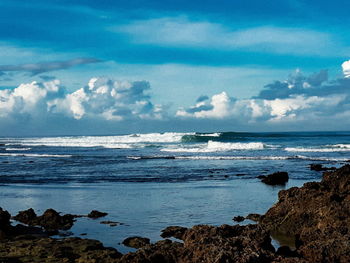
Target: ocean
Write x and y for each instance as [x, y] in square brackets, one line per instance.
[151, 181]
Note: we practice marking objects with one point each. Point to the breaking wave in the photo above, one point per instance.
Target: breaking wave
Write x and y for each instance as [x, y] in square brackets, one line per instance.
[213, 146]
[120, 142]
[36, 155]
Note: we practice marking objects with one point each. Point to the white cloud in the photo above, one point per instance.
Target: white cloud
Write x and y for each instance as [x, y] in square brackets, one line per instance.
[29, 99]
[298, 98]
[181, 31]
[346, 69]
[101, 98]
[218, 108]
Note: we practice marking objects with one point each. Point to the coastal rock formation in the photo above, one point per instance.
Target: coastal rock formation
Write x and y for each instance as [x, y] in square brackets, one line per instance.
[50, 220]
[136, 242]
[174, 231]
[319, 167]
[29, 250]
[94, 214]
[209, 244]
[239, 218]
[278, 178]
[316, 216]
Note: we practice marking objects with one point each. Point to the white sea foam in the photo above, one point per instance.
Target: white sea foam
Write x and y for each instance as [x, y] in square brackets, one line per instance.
[17, 149]
[301, 149]
[310, 158]
[233, 157]
[36, 155]
[215, 134]
[122, 141]
[213, 146]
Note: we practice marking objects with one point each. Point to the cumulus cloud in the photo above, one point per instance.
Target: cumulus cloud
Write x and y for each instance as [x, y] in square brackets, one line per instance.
[37, 68]
[298, 98]
[101, 98]
[346, 69]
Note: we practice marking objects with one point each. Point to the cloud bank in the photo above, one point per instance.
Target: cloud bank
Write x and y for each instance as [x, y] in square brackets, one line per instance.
[100, 99]
[299, 100]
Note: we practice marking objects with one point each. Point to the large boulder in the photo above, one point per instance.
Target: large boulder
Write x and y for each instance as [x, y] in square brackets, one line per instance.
[278, 178]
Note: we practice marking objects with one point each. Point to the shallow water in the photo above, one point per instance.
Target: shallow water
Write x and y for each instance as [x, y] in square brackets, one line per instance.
[144, 208]
[151, 181]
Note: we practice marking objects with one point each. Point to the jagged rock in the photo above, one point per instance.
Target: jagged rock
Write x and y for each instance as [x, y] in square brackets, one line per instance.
[57, 250]
[96, 214]
[254, 217]
[26, 217]
[278, 178]
[173, 231]
[50, 220]
[136, 242]
[317, 216]
[319, 167]
[239, 218]
[209, 244]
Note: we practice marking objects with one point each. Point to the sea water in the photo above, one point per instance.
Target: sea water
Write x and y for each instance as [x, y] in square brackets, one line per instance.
[151, 181]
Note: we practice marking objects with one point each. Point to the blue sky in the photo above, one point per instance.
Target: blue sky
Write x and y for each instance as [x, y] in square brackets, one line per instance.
[233, 52]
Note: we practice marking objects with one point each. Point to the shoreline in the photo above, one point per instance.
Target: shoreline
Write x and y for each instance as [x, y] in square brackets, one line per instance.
[226, 243]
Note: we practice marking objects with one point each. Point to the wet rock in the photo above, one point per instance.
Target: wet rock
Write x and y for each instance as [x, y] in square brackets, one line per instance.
[239, 218]
[317, 216]
[4, 219]
[319, 167]
[5, 225]
[174, 231]
[278, 178]
[26, 217]
[110, 223]
[254, 217]
[164, 251]
[286, 251]
[50, 220]
[136, 242]
[96, 214]
[57, 250]
[208, 244]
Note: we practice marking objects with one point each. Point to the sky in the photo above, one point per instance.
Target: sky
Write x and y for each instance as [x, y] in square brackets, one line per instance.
[111, 67]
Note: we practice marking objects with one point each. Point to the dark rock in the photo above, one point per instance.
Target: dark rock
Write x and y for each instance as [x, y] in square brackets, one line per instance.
[40, 250]
[136, 242]
[319, 167]
[110, 223]
[96, 214]
[26, 216]
[286, 251]
[4, 219]
[317, 215]
[208, 244]
[174, 231]
[261, 176]
[278, 178]
[254, 217]
[239, 218]
[50, 220]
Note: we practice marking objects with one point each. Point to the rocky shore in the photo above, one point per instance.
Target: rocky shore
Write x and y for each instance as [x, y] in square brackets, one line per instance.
[313, 221]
